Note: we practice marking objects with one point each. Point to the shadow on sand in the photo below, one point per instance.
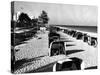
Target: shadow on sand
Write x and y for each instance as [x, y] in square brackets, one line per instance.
[24, 62]
[73, 51]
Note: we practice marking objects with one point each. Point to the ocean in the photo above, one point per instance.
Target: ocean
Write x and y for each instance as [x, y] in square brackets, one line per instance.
[82, 28]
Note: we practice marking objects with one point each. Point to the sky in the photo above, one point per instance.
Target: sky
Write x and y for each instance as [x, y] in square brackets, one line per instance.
[60, 14]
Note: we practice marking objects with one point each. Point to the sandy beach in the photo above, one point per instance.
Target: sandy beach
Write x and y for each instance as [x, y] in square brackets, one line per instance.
[89, 53]
[83, 51]
[33, 48]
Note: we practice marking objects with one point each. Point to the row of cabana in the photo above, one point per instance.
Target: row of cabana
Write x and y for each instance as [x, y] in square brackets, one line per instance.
[80, 35]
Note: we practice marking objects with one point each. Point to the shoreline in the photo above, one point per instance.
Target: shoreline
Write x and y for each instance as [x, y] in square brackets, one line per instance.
[89, 33]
